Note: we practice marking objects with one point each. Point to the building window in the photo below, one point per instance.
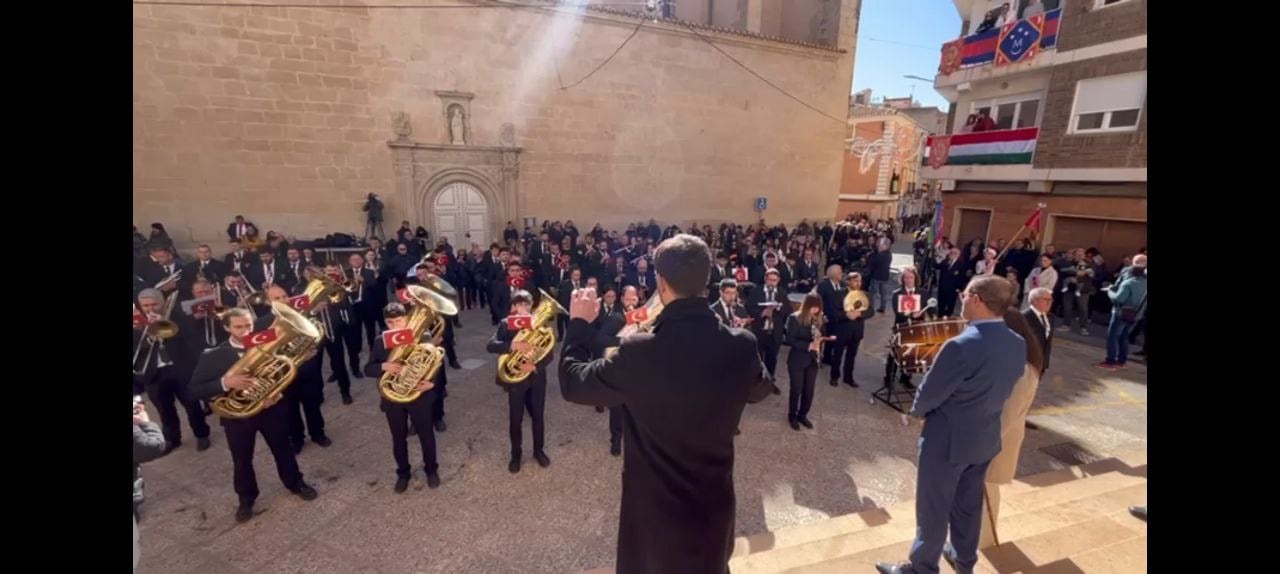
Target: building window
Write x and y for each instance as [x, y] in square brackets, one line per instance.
[1012, 112]
[1109, 104]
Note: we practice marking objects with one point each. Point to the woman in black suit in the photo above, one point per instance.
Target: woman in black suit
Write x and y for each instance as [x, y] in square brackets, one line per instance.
[802, 361]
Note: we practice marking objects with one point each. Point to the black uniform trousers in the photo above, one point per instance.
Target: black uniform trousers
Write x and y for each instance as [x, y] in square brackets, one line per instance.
[167, 388]
[530, 396]
[947, 301]
[351, 340]
[305, 395]
[420, 412]
[367, 320]
[768, 351]
[441, 391]
[802, 368]
[242, 434]
[615, 425]
[844, 350]
[337, 360]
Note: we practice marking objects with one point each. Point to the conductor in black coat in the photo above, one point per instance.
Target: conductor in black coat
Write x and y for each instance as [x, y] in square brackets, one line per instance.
[420, 411]
[210, 380]
[682, 389]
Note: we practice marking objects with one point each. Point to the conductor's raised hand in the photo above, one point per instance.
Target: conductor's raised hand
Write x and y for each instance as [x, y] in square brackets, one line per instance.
[585, 305]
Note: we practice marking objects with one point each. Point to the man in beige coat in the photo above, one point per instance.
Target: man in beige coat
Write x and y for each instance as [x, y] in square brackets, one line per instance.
[1012, 430]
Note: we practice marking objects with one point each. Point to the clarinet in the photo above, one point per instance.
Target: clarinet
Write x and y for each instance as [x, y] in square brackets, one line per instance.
[816, 331]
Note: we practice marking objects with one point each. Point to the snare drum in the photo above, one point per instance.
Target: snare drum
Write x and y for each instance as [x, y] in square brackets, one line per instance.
[914, 346]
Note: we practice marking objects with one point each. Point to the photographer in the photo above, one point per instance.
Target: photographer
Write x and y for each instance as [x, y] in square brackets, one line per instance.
[373, 207]
[148, 445]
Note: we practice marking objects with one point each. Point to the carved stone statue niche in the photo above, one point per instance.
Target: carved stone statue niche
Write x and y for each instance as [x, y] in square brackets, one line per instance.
[457, 125]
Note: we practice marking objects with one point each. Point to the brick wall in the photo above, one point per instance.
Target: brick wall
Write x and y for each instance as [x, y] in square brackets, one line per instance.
[1058, 149]
[283, 114]
[1083, 25]
[1010, 210]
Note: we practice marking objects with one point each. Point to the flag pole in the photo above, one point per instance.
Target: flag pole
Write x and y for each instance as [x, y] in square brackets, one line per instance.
[1035, 217]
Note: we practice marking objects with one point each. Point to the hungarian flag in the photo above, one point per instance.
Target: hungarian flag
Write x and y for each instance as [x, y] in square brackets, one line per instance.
[519, 322]
[300, 303]
[259, 338]
[397, 338]
[1033, 222]
[637, 315]
[999, 147]
[139, 318]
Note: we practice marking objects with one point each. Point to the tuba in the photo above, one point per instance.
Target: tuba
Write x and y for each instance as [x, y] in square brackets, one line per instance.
[856, 301]
[443, 288]
[421, 360]
[541, 337]
[321, 286]
[272, 366]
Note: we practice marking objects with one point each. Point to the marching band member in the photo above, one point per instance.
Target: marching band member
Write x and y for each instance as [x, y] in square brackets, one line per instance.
[305, 395]
[727, 309]
[614, 315]
[451, 356]
[205, 266]
[364, 301]
[334, 319]
[211, 380]
[199, 324]
[399, 415]
[531, 394]
[163, 368]
[238, 258]
[765, 306]
[907, 307]
[803, 360]
[848, 332]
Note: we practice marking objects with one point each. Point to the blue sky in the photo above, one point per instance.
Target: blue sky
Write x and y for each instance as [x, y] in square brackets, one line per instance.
[903, 37]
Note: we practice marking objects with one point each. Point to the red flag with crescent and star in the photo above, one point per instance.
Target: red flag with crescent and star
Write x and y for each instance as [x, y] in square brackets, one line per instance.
[740, 273]
[442, 260]
[519, 322]
[515, 282]
[300, 303]
[638, 315]
[205, 307]
[394, 338]
[259, 338]
[402, 295]
[139, 318]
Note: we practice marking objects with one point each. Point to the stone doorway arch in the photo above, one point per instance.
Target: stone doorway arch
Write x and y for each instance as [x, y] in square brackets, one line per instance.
[461, 213]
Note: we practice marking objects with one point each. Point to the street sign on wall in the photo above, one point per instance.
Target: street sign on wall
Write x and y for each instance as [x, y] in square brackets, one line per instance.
[762, 203]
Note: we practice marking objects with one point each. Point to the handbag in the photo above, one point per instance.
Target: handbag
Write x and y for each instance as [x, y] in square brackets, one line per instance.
[1130, 314]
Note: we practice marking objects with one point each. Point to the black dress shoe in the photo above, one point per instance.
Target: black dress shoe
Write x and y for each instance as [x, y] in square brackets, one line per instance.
[514, 467]
[441, 426]
[356, 375]
[851, 383]
[543, 460]
[1139, 512]
[244, 512]
[332, 378]
[599, 409]
[346, 399]
[402, 484]
[949, 554]
[323, 441]
[776, 390]
[895, 568]
[455, 366]
[805, 421]
[297, 447]
[433, 480]
[615, 448]
[202, 444]
[835, 382]
[305, 492]
[795, 424]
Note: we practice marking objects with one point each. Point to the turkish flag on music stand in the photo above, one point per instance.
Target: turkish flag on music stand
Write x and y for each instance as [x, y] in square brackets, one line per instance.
[397, 338]
[442, 260]
[638, 315]
[519, 322]
[740, 273]
[205, 307]
[516, 282]
[908, 303]
[300, 303]
[402, 295]
[259, 338]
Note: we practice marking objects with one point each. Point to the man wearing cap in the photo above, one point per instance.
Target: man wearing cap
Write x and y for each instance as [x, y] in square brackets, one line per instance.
[768, 307]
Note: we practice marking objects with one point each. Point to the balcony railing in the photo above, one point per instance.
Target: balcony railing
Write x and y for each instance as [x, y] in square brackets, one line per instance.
[1017, 41]
[999, 147]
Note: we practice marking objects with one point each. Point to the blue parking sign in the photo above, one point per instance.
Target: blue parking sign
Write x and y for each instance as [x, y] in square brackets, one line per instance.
[762, 203]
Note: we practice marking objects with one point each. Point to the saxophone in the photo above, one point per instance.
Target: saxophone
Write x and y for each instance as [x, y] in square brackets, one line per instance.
[421, 361]
[542, 339]
[272, 366]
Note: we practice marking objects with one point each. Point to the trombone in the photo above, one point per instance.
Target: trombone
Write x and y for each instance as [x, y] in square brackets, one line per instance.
[176, 275]
[160, 330]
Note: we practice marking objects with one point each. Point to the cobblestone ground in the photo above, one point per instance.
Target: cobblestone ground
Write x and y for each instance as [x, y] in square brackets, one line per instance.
[564, 518]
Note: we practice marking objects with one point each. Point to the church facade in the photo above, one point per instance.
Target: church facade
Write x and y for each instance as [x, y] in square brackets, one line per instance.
[464, 119]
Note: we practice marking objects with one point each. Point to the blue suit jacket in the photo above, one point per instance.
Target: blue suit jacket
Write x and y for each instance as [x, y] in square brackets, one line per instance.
[963, 394]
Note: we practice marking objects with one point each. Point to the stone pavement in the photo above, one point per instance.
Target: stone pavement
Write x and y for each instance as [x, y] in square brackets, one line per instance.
[564, 518]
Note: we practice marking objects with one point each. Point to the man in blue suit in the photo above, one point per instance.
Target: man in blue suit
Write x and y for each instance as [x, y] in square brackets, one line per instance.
[960, 400]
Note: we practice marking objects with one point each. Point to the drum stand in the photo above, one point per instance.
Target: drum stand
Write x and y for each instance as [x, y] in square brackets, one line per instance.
[899, 399]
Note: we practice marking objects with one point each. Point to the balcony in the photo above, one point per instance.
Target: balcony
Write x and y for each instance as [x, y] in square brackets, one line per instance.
[999, 155]
[1012, 48]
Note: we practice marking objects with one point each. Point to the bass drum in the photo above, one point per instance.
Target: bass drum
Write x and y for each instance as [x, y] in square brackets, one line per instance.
[915, 346]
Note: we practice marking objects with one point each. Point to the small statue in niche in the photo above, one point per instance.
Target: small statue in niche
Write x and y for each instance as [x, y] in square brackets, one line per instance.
[457, 126]
[401, 126]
